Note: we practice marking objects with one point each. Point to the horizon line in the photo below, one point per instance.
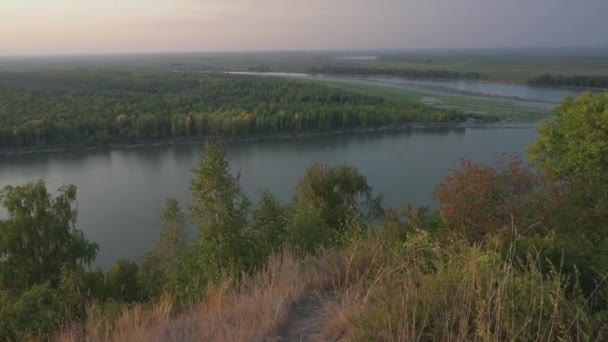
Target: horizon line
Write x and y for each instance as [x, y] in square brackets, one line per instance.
[316, 50]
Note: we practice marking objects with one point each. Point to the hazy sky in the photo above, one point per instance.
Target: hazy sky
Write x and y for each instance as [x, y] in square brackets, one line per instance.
[113, 26]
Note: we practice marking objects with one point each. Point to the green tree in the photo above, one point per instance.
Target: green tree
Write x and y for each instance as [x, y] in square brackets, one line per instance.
[39, 311]
[159, 268]
[327, 196]
[122, 282]
[78, 288]
[269, 225]
[39, 238]
[576, 141]
[334, 190]
[123, 125]
[574, 146]
[146, 127]
[220, 211]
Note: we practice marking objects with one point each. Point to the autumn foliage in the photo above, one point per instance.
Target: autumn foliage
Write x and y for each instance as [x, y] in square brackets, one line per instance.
[480, 199]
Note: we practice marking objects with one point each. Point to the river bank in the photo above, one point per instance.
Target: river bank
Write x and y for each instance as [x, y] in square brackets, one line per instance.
[256, 137]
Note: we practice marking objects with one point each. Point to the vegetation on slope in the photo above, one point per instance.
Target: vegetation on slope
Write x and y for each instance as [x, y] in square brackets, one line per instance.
[514, 253]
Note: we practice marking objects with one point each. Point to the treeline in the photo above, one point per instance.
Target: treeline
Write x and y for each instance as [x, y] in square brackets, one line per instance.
[570, 81]
[411, 73]
[83, 107]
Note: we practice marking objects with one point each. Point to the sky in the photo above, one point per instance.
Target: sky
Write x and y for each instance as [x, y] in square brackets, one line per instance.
[134, 26]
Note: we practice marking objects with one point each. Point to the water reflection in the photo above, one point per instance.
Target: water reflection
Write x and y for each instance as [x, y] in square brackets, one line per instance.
[122, 191]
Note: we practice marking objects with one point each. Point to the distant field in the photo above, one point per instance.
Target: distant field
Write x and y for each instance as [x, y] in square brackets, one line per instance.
[510, 71]
[506, 65]
[504, 109]
[510, 65]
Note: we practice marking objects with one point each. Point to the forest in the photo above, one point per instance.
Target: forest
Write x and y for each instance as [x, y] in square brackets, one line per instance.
[85, 107]
[514, 251]
[570, 81]
[402, 72]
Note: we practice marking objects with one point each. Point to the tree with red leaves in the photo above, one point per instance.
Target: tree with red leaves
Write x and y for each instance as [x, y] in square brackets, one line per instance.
[480, 199]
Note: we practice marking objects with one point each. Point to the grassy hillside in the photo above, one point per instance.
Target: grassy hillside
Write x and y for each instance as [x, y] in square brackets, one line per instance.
[371, 290]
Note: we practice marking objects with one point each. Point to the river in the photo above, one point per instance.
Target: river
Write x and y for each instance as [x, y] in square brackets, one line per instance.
[120, 192]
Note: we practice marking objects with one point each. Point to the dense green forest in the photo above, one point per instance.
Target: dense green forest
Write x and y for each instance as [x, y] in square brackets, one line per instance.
[514, 252]
[81, 107]
[570, 81]
[403, 72]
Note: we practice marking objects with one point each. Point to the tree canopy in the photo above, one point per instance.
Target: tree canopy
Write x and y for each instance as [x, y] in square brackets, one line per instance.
[576, 141]
[59, 108]
[39, 238]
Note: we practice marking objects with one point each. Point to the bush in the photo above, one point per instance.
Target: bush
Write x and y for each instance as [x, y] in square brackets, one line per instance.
[326, 198]
[39, 311]
[575, 142]
[481, 199]
[77, 289]
[122, 282]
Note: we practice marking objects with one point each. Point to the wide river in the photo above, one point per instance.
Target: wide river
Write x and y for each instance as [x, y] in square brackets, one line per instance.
[120, 192]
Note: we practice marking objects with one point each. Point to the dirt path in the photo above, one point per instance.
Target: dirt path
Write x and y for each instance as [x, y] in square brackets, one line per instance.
[306, 318]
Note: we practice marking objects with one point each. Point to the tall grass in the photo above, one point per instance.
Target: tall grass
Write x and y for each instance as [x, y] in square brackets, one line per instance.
[426, 292]
[376, 290]
[253, 310]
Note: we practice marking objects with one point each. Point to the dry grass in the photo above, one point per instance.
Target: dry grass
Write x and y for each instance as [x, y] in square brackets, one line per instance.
[251, 312]
[428, 293]
[417, 292]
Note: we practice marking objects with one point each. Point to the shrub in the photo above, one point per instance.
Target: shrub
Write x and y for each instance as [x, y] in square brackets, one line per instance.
[122, 282]
[39, 311]
[480, 199]
[575, 142]
[326, 198]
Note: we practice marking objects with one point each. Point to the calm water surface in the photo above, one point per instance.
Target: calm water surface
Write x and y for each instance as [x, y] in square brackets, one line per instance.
[120, 192]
